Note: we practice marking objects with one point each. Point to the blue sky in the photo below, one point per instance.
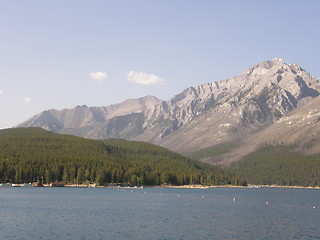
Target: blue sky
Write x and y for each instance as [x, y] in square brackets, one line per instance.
[60, 54]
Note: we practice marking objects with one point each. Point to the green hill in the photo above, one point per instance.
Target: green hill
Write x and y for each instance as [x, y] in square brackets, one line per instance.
[29, 154]
[281, 165]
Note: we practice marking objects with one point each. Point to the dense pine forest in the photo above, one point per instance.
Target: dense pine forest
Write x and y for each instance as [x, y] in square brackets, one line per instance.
[280, 165]
[31, 154]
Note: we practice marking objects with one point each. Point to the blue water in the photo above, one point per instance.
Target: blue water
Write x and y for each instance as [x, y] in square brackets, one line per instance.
[157, 213]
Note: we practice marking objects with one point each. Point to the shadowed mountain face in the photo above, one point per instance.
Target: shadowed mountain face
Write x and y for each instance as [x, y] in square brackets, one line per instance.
[230, 111]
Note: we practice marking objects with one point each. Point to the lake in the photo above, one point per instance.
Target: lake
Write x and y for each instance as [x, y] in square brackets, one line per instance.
[159, 213]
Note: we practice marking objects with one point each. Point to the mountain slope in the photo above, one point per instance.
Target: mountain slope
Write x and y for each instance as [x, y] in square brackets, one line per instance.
[208, 115]
[300, 129]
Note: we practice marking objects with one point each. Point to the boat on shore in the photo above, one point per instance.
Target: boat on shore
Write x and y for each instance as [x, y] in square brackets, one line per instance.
[56, 184]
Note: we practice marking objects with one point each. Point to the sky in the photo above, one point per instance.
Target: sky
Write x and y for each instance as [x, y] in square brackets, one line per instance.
[61, 54]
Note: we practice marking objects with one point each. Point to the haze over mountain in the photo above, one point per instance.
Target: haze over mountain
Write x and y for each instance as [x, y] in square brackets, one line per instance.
[272, 102]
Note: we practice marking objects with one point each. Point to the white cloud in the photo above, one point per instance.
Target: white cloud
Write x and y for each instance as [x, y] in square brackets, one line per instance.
[98, 76]
[1, 92]
[144, 78]
[27, 99]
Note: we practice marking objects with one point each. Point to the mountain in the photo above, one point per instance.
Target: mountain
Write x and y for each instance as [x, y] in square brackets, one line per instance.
[219, 121]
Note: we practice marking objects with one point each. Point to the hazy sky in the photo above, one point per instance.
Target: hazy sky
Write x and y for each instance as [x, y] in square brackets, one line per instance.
[60, 54]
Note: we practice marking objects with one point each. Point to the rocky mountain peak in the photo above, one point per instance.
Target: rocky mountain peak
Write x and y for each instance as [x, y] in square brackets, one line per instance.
[267, 67]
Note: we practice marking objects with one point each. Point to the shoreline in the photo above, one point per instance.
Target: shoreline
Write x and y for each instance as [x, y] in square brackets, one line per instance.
[193, 186]
[281, 186]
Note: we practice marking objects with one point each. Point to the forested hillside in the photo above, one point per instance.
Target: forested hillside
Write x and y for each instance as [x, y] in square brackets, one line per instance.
[281, 165]
[29, 154]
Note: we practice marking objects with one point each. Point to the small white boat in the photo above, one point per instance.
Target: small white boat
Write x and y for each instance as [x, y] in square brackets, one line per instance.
[16, 185]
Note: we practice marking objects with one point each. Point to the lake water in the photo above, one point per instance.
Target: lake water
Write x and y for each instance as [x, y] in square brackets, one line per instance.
[157, 213]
